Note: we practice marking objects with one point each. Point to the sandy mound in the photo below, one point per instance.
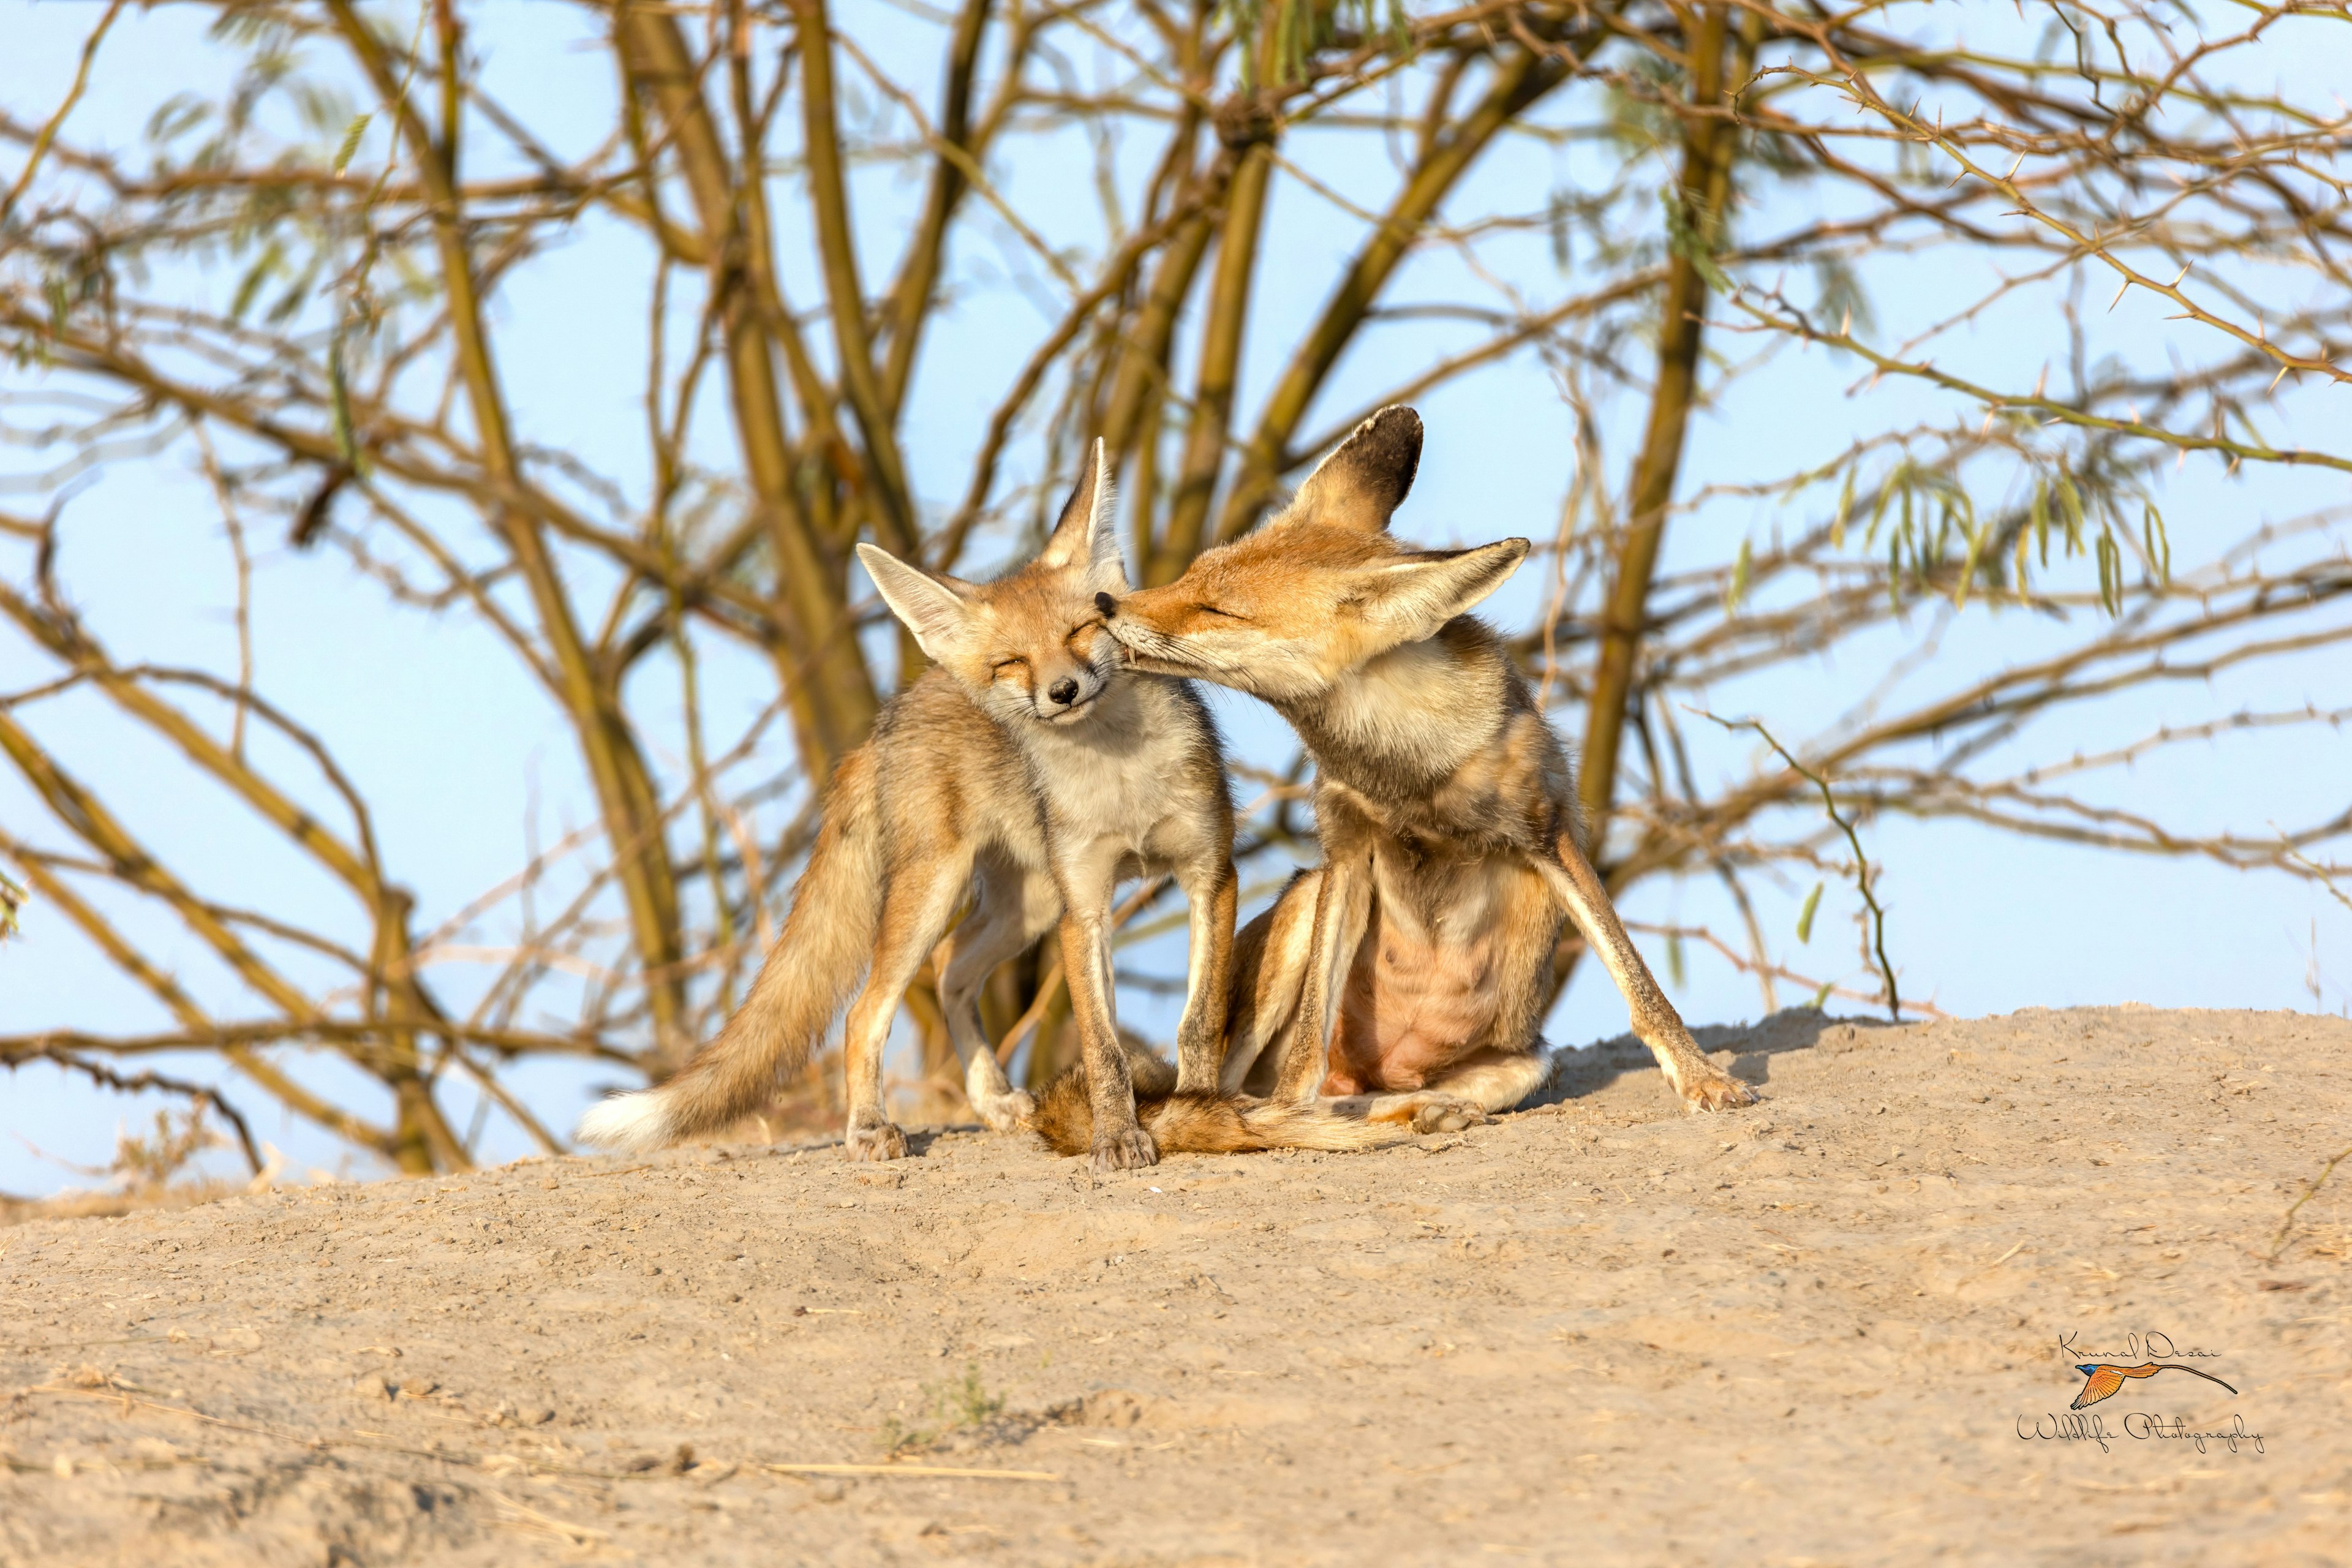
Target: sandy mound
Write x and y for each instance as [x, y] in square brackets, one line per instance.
[1827, 1329]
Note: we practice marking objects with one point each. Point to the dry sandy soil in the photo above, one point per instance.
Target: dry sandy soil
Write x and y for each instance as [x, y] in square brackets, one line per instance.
[1831, 1330]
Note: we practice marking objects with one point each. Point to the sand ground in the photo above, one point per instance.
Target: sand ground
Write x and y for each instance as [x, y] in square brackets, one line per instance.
[1835, 1328]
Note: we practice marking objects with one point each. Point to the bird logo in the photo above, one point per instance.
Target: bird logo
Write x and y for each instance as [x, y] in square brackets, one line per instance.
[2102, 1379]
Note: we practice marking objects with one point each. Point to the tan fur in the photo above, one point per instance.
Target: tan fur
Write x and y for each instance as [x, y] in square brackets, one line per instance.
[1183, 1122]
[1024, 775]
[1408, 970]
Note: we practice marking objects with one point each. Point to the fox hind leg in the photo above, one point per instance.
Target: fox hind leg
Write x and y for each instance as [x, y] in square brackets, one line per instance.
[1270, 958]
[1343, 908]
[920, 900]
[1016, 908]
[1462, 1095]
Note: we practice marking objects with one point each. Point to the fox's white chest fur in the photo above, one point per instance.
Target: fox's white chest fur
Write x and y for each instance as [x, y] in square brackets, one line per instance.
[1122, 773]
[1420, 704]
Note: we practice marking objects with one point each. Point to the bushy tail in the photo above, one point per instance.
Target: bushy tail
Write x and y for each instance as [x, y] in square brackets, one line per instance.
[1198, 1123]
[827, 942]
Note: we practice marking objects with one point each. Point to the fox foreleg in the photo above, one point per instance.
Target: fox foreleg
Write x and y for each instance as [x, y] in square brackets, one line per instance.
[1211, 893]
[1343, 905]
[1121, 1144]
[1702, 1085]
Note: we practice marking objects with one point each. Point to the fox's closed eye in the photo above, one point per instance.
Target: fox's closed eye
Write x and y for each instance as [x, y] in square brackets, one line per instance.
[1220, 614]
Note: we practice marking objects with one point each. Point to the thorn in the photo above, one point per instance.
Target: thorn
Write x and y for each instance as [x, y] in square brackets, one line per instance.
[1845, 326]
[2184, 272]
[2182, 461]
[2013, 168]
[2043, 380]
[2279, 377]
[2119, 293]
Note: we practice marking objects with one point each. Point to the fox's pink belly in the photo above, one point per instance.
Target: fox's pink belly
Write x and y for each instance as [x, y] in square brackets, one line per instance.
[1411, 1008]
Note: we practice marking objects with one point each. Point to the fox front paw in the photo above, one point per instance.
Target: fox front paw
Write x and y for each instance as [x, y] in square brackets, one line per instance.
[1129, 1151]
[1714, 1089]
[882, 1142]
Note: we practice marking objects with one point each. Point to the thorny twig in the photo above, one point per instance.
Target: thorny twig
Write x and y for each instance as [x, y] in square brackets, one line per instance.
[1861, 862]
[2287, 1224]
[134, 1083]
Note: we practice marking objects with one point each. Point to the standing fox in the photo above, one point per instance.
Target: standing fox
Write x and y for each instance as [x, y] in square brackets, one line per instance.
[1028, 771]
[1407, 970]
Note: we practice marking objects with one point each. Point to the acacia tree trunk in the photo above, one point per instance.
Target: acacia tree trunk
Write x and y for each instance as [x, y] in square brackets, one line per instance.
[1709, 142]
[1708, 137]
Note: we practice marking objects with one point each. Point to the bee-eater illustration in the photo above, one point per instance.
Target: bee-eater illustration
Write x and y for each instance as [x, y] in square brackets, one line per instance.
[2101, 1378]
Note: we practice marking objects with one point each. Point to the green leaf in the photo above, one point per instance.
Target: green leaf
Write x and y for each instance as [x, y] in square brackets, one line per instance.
[181, 112]
[1684, 238]
[1820, 997]
[2070, 509]
[1844, 506]
[1556, 222]
[1886, 489]
[1805, 915]
[1976, 538]
[346, 436]
[351, 143]
[2159, 543]
[2041, 518]
[1400, 29]
[1675, 961]
[264, 267]
[1739, 565]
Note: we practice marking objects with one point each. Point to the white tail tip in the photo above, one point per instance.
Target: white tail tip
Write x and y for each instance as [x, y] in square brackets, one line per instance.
[632, 1123]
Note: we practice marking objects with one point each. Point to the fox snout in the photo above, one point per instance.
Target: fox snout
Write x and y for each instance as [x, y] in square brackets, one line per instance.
[1142, 642]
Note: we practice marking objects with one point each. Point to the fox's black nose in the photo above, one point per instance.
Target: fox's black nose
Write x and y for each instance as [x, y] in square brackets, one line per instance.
[1064, 692]
[1107, 604]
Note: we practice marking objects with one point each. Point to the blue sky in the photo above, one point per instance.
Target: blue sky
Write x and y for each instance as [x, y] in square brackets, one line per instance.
[467, 767]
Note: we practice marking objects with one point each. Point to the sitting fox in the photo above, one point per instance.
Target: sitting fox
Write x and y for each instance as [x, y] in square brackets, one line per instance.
[1026, 772]
[1407, 972]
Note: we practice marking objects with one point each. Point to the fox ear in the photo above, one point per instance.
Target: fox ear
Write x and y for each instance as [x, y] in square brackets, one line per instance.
[1362, 482]
[1087, 538]
[933, 607]
[1414, 595]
